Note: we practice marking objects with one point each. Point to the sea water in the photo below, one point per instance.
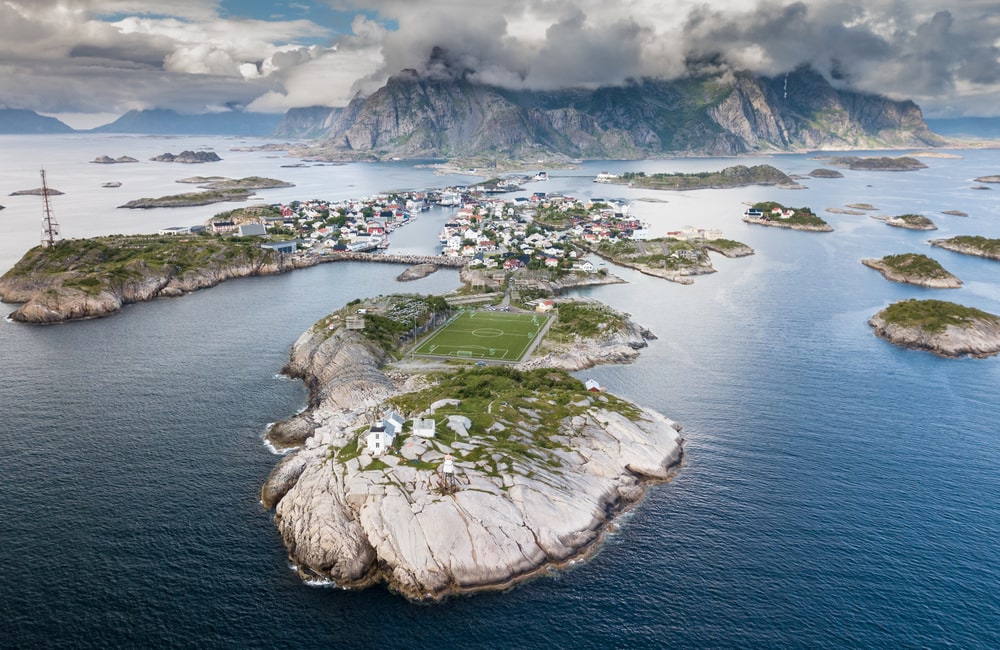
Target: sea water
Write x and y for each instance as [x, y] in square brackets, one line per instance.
[837, 491]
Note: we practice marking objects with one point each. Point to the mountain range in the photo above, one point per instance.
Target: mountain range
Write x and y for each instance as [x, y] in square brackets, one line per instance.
[166, 122]
[450, 115]
[21, 121]
[415, 116]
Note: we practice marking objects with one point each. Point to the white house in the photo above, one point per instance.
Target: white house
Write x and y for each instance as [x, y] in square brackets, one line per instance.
[393, 422]
[424, 427]
[382, 434]
[378, 439]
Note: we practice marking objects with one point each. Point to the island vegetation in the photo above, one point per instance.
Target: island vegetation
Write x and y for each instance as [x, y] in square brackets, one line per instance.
[945, 328]
[770, 213]
[736, 176]
[971, 245]
[914, 268]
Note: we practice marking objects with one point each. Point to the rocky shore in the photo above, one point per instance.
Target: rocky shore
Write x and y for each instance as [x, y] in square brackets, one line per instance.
[945, 329]
[733, 250]
[386, 519]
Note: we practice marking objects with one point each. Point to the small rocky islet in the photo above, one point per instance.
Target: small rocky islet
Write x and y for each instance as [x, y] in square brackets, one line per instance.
[108, 160]
[975, 245]
[914, 268]
[907, 221]
[944, 328]
[188, 157]
[215, 189]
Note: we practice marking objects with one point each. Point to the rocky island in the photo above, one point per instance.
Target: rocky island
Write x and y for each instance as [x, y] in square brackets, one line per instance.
[188, 157]
[914, 268]
[216, 190]
[37, 192]
[879, 163]
[92, 278]
[495, 474]
[825, 173]
[769, 213]
[736, 176]
[988, 179]
[971, 245]
[668, 258]
[108, 160]
[944, 328]
[907, 221]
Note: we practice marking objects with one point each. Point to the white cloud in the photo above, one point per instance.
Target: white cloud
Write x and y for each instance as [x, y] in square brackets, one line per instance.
[60, 55]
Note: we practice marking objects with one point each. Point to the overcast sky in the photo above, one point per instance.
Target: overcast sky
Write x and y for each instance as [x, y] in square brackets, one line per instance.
[85, 60]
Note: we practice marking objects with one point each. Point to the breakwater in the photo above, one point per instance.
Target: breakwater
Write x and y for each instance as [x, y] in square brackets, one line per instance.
[437, 260]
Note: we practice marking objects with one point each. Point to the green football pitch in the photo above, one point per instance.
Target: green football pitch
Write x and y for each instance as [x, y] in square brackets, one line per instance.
[488, 335]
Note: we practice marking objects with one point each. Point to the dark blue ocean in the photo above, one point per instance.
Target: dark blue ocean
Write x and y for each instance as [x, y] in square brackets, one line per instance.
[837, 491]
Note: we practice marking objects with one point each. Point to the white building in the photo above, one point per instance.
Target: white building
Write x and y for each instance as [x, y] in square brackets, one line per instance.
[382, 434]
[424, 427]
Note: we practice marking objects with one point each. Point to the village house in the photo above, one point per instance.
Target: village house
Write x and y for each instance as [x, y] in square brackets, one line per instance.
[424, 427]
[382, 434]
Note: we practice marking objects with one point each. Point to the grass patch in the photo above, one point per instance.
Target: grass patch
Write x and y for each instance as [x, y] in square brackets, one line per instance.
[982, 245]
[515, 415]
[915, 264]
[584, 319]
[499, 336]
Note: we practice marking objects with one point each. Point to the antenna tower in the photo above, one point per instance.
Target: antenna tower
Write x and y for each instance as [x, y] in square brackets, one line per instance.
[50, 227]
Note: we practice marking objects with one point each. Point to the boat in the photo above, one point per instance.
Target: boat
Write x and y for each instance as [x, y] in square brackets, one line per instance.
[111, 184]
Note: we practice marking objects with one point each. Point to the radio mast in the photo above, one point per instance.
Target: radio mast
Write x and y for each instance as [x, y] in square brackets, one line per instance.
[50, 227]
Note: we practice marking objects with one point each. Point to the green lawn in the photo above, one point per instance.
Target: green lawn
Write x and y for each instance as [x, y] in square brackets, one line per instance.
[488, 335]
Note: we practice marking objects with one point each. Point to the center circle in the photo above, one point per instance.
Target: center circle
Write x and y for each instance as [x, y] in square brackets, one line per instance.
[487, 332]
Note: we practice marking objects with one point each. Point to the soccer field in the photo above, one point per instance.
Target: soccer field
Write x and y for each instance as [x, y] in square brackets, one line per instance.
[488, 335]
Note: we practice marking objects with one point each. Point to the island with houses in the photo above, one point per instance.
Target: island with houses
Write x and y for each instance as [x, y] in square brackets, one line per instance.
[770, 213]
[538, 243]
[440, 475]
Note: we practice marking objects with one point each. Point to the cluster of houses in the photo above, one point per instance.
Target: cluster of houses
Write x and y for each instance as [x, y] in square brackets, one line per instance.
[383, 433]
[774, 213]
[499, 233]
